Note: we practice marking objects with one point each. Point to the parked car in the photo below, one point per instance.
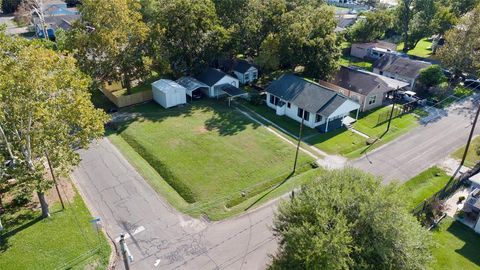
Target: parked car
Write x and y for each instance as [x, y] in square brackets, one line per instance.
[408, 96]
[472, 84]
[196, 95]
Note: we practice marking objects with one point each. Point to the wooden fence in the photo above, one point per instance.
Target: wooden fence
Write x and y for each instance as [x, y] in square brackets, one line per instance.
[127, 100]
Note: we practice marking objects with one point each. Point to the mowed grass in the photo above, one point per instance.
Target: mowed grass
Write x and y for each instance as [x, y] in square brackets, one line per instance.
[472, 155]
[423, 49]
[338, 142]
[457, 246]
[67, 240]
[424, 185]
[348, 60]
[284, 122]
[208, 153]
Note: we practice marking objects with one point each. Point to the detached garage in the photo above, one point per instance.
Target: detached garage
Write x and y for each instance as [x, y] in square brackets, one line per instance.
[168, 93]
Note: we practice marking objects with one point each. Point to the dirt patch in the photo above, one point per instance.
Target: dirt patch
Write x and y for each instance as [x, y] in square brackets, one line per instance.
[67, 191]
[201, 130]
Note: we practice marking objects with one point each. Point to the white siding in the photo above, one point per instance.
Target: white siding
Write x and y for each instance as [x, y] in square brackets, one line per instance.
[292, 113]
[411, 81]
[250, 76]
[225, 80]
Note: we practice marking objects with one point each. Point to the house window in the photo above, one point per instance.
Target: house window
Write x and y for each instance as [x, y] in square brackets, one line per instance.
[372, 100]
[247, 77]
[255, 75]
[318, 118]
[306, 116]
[288, 105]
[381, 72]
[273, 100]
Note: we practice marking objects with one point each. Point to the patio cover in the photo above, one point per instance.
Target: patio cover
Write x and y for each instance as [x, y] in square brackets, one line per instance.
[191, 84]
[232, 91]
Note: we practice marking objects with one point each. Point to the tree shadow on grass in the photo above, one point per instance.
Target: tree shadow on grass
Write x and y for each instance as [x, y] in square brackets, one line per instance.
[471, 240]
[10, 223]
[226, 120]
[270, 191]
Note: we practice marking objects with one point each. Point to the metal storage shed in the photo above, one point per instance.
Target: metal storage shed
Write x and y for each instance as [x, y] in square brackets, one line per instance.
[168, 93]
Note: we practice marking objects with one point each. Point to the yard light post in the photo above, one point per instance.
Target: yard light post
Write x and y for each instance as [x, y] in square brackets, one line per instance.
[299, 140]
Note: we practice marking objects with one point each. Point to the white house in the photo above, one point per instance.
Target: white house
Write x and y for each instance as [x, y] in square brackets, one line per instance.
[245, 72]
[168, 93]
[321, 108]
[400, 68]
[215, 80]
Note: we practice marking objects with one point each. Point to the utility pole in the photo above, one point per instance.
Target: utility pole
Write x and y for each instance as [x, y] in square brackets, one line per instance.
[54, 179]
[391, 115]
[470, 136]
[299, 140]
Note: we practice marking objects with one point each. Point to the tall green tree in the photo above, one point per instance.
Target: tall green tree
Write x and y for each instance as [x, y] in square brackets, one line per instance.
[44, 108]
[193, 34]
[269, 54]
[307, 38]
[110, 41]
[347, 219]
[460, 51]
[461, 7]
[372, 27]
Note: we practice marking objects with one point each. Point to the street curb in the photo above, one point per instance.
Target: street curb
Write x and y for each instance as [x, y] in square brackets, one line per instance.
[112, 261]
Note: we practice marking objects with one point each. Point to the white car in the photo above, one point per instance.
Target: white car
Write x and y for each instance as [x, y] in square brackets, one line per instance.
[409, 96]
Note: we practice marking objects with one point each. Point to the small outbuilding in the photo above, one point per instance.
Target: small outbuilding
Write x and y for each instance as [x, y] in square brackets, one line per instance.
[245, 72]
[168, 93]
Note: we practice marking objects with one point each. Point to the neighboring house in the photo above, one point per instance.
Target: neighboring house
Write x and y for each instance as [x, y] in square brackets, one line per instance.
[320, 107]
[168, 93]
[400, 68]
[245, 72]
[53, 23]
[215, 80]
[366, 88]
[373, 50]
[471, 207]
[59, 10]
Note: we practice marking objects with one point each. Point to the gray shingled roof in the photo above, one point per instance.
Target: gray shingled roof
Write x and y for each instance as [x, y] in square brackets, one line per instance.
[306, 95]
[211, 76]
[364, 82]
[242, 66]
[402, 66]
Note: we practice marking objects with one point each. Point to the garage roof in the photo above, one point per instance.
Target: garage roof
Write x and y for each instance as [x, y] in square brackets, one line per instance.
[191, 84]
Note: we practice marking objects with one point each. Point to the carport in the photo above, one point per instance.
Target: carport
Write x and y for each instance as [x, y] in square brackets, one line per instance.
[191, 84]
[232, 92]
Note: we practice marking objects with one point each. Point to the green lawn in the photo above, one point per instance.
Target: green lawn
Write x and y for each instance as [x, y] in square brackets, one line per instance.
[457, 246]
[347, 60]
[423, 49]
[369, 124]
[472, 155]
[340, 141]
[424, 185]
[207, 153]
[284, 122]
[67, 240]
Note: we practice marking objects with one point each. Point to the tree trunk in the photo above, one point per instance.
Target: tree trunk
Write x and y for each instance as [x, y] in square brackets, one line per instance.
[43, 204]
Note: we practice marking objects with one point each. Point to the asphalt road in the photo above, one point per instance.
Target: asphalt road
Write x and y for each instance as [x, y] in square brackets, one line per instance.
[162, 238]
[423, 147]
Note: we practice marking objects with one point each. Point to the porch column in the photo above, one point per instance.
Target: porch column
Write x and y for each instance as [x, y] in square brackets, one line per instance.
[358, 111]
[326, 126]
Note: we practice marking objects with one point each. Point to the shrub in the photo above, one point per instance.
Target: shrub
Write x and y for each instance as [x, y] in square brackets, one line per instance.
[461, 91]
[22, 196]
[256, 99]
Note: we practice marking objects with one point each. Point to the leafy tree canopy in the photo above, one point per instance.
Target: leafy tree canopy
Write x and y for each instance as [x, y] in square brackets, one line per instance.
[45, 107]
[347, 219]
